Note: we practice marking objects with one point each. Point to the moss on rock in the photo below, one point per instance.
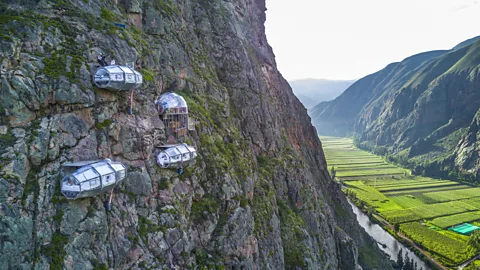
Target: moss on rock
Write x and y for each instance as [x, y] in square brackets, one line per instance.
[292, 235]
[207, 203]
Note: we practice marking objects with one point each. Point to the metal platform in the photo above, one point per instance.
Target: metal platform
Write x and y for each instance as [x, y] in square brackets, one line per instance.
[167, 145]
[79, 163]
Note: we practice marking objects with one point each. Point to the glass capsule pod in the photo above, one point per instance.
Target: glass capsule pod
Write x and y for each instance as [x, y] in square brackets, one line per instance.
[92, 179]
[178, 155]
[173, 110]
[117, 78]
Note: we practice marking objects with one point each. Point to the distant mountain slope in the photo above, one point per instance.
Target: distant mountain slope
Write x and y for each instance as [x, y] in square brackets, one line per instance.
[418, 112]
[337, 117]
[313, 91]
[466, 43]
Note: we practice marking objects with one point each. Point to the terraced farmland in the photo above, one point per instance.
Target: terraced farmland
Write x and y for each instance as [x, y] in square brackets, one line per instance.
[413, 202]
[372, 196]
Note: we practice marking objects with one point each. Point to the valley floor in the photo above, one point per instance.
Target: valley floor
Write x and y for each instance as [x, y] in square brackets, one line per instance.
[423, 209]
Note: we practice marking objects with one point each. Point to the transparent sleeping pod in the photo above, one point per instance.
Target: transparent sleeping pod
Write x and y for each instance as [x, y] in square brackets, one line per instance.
[173, 111]
[92, 179]
[118, 78]
[174, 156]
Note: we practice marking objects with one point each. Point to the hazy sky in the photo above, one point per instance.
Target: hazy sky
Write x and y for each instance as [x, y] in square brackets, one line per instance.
[348, 39]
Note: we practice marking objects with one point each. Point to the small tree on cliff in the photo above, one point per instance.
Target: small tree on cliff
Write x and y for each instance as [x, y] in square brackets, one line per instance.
[333, 172]
[350, 194]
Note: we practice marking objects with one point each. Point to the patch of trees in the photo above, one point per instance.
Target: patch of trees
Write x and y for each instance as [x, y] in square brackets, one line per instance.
[474, 241]
[404, 262]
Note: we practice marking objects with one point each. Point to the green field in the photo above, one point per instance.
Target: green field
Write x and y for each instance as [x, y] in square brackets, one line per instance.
[414, 202]
[407, 201]
[449, 221]
[438, 243]
[445, 196]
[372, 197]
[425, 190]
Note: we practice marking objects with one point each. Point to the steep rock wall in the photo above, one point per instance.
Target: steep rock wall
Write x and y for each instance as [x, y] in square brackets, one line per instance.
[259, 196]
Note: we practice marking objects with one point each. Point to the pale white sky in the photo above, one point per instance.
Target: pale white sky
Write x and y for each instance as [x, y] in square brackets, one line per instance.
[348, 39]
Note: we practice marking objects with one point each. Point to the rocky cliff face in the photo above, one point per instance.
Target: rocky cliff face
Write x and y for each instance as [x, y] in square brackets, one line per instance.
[415, 111]
[259, 196]
[466, 159]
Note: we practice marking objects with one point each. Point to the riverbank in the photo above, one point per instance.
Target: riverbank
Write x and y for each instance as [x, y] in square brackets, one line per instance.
[431, 261]
[387, 243]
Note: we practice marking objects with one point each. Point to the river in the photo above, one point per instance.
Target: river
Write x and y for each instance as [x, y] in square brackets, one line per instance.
[387, 242]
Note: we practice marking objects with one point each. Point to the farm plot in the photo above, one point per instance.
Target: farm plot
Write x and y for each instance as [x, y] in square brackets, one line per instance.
[389, 181]
[416, 186]
[408, 201]
[452, 195]
[371, 172]
[449, 221]
[335, 160]
[400, 216]
[358, 163]
[363, 166]
[425, 190]
[352, 154]
[414, 208]
[421, 197]
[398, 182]
[350, 160]
[404, 180]
[451, 251]
[474, 202]
[442, 209]
[372, 197]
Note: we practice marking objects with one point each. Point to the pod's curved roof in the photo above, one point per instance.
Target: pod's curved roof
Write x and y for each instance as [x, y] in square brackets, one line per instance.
[171, 101]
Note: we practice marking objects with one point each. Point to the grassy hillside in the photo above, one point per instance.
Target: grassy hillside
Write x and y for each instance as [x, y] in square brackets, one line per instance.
[417, 112]
[338, 117]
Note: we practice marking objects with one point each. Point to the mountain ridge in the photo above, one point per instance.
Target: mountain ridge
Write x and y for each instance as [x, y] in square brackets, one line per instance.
[411, 105]
[313, 91]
